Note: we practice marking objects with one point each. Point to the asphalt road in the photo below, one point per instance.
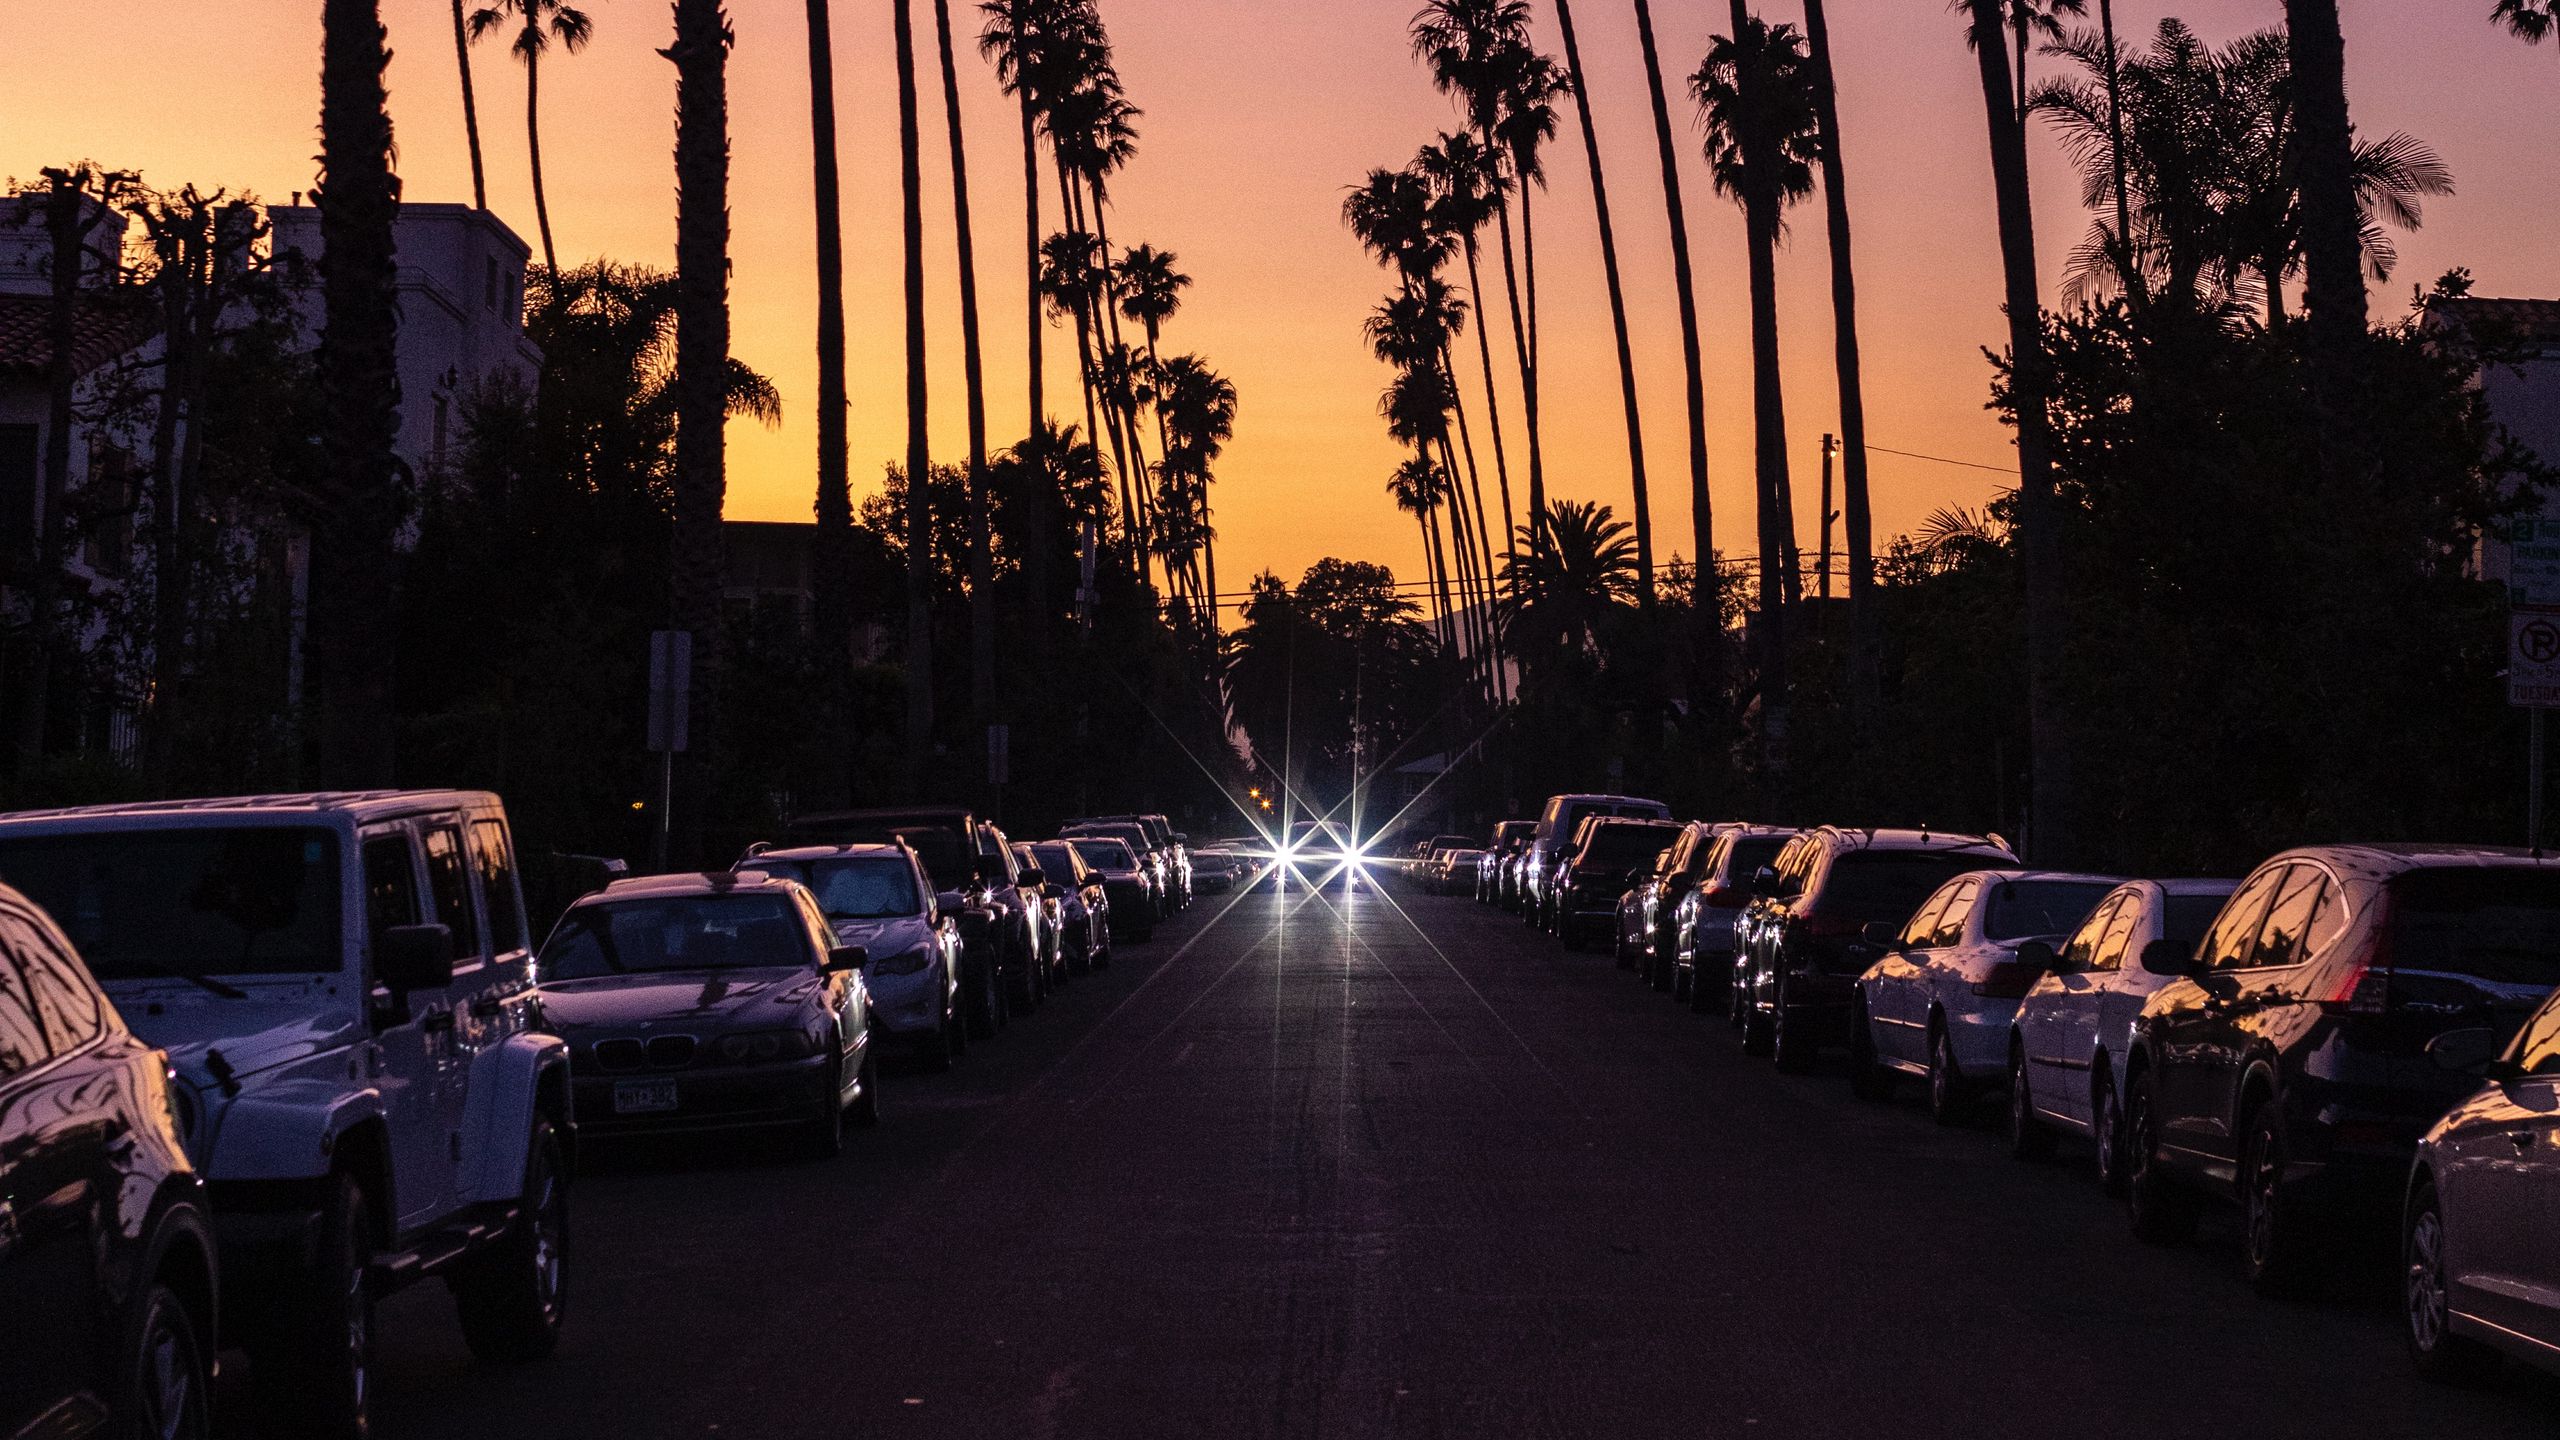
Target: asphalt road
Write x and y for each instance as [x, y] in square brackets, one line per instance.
[1393, 1166]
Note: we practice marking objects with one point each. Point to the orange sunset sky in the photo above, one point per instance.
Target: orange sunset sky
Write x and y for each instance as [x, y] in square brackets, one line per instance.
[1259, 113]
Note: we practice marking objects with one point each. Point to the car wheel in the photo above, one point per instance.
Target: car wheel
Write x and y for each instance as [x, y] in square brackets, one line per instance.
[2438, 1353]
[2029, 1137]
[1948, 1092]
[1869, 1079]
[1658, 970]
[1791, 1039]
[866, 1110]
[2278, 1246]
[1682, 983]
[977, 1003]
[312, 1366]
[513, 1299]
[1626, 955]
[164, 1384]
[2106, 1125]
[2163, 1212]
[822, 1134]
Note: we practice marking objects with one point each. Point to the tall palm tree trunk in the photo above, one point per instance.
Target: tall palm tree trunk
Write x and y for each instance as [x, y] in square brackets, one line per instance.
[1537, 370]
[982, 574]
[533, 145]
[1125, 405]
[1035, 562]
[2116, 156]
[66, 220]
[1617, 307]
[2333, 292]
[1528, 366]
[470, 109]
[1769, 451]
[701, 53]
[833, 583]
[1863, 678]
[352, 545]
[1480, 558]
[1685, 289]
[2051, 791]
[1492, 396]
[1461, 551]
[919, 435]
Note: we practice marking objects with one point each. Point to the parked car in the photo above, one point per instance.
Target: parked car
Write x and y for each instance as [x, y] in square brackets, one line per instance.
[2285, 1067]
[2482, 1277]
[1648, 917]
[1801, 954]
[995, 923]
[1705, 925]
[878, 899]
[1457, 872]
[1558, 824]
[1084, 903]
[342, 985]
[1941, 999]
[108, 1276]
[1158, 865]
[1126, 881]
[1052, 908]
[2066, 1052]
[1601, 869]
[711, 1002]
[1502, 855]
[1216, 870]
[1159, 839]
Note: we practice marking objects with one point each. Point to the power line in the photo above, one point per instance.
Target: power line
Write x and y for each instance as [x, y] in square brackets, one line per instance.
[1943, 460]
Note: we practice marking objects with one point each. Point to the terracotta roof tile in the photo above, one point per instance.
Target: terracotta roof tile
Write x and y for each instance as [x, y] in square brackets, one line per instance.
[26, 348]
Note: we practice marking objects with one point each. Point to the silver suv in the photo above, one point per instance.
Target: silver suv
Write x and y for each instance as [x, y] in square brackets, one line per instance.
[340, 982]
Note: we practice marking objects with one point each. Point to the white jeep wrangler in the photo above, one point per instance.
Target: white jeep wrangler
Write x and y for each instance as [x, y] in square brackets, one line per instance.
[341, 983]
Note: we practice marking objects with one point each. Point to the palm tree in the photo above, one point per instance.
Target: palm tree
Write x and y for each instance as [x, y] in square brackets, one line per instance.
[1684, 285]
[2528, 20]
[703, 367]
[2036, 22]
[1528, 123]
[833, 582]
[352, 543]
[1756, 91]
[470, 109]
[1070, 286]
[2325, 168]
[1863, 680]
[1418, 486]
[1579, 85]
[540, 23]
[919, 435]
[982, 587]
[1466, 185]
[1198, 408]
[1150, 294]
[2052, 793]
[1575, 570]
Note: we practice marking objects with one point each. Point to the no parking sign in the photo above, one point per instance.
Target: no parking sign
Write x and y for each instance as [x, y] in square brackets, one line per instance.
[2533, 658]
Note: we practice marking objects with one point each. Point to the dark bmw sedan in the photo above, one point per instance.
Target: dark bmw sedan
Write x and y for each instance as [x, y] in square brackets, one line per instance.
[710, 1002]
[106, 1257]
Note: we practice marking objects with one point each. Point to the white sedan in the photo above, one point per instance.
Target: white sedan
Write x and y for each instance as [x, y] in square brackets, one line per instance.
[2067, 1050]
[1938, 1003]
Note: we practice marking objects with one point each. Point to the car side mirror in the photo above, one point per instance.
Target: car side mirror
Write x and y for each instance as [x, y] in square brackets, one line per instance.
[1883, 934]
[844, 959]
[1764, 881]
[415, 957]
[2038, 955]
[2472, 1050]
[2168, 957]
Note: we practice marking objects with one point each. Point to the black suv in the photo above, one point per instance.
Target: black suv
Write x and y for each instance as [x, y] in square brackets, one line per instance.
[1613, 853]
[975, 887]
[1801, 950]
[106, 1257]
[2291, 1066]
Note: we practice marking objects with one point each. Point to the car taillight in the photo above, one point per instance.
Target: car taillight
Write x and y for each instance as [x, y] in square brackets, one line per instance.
[2365, 986]
[2008, 980]
[1725, 897]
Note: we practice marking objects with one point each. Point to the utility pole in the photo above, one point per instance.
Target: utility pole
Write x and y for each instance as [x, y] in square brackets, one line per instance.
[1830, 448]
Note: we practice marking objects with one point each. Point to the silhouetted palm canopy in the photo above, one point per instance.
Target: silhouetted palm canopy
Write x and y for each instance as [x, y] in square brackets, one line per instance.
[1565, 584]
[1410, 328]
[1465, 181]
[2528, 20]
[1473, 48]
[2209, 169]
[1391, 214]
[1763, 134]
[1150, 287]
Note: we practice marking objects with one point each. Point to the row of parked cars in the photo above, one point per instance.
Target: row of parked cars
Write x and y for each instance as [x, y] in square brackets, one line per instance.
[2352, 1044]
[265, 1060]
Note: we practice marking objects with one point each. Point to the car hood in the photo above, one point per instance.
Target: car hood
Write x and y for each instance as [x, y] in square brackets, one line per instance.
[715, 997]
[882, 938]
[258, 1033]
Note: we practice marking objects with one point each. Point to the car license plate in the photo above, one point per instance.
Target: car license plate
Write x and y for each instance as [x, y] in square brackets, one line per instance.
[643, 1097]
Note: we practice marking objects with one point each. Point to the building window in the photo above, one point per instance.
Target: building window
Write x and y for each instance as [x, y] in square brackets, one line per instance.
[489, 295]
[17, 490]
[105, 511]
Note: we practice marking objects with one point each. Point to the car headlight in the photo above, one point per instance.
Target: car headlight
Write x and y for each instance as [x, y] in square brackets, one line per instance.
[908, 962]
[757, 1045]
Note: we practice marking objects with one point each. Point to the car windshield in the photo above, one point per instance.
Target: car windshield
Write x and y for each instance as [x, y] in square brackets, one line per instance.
[2020, 908]
[688, 932]
[1104, 854]
[1055, 862]
[2189, 916]
[868, 888]
[1751, 855]
[1130, 835]
[251, 900]
[2497, 926]
[1615, 847]
[1888, 884]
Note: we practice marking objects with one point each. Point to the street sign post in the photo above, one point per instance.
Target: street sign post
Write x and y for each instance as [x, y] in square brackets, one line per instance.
[670, 722]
